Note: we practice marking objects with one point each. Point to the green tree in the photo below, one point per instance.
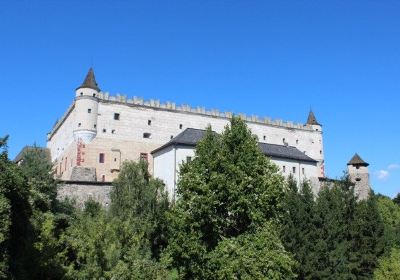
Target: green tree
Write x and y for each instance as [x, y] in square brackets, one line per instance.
[101, 247]
[390, 214]
[239, 257]
[298, 226]
[138, 197]
[397, 199]
[389, 267]
[229, 189]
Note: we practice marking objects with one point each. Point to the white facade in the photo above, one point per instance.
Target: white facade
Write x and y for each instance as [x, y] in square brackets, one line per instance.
[90, 135]
[167, 164]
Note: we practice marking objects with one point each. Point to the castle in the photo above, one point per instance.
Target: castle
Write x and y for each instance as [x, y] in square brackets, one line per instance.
[99, 132]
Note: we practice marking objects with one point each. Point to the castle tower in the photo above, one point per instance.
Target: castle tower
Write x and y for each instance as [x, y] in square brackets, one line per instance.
[359, 175]
[318, 151]
[86, 107]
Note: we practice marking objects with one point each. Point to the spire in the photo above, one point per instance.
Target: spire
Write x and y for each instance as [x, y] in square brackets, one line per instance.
[357, 160]
[312, 120]
[90, 81]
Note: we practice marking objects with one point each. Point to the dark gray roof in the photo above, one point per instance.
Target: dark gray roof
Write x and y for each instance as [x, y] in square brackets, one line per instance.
[90, 81]
[27, 149]
[357, 160]
[190, 137]
[312, 120]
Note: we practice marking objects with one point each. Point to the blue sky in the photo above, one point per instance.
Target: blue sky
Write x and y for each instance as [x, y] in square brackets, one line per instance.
[269, 58]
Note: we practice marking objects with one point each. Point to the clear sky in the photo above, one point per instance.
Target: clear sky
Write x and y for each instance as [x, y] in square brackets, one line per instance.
[269, 58]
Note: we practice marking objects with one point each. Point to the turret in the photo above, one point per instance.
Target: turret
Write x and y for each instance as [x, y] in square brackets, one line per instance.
[312, 121]
[359, 175]
[86, 108]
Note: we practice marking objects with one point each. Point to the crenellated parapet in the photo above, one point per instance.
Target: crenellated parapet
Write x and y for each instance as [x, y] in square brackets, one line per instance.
[184, 108]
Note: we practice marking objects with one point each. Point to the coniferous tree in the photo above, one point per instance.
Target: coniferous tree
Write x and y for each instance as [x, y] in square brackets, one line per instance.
[298, 227]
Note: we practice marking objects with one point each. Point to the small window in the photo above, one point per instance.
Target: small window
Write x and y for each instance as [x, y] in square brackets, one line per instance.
[101, 158]
[284, 169]
[303, 171]
[147, 135]
[115, 159]
[357, 167]
[265, 137]
[79, 124]
[103, 178]
[188, 159]
[148, 122]
[94, 95]
[284, 140]
[81, 93]
[144, 156]
[358, 179]
[113, 131]
[95, 125]
[104, 130]
[172, 136]
[116, 116]
[180, 126]
[320, 152]
[294, 169]
[89, 111]
[297, 141]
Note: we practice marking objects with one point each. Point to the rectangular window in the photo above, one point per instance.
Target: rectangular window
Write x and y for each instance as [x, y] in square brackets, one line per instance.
[284, 169]
[188, 159]
[116, 116]
[103, 178]
[294, 169]
[89, 110]
[101, 158]
[148, 122]
[146, 135]
[144, 156]
[302, 171]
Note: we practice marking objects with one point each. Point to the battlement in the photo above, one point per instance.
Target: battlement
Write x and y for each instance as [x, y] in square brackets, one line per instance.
[184, 108]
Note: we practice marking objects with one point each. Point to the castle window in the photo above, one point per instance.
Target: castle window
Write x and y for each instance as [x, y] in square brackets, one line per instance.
[103, 178]
[188, 159]
[104, 130]
[81, 93]
[116, 116]
[101, 158]
[180, 126]
[89, 110]
[148, 122]
[284, 169]
[302, 170]
[95, 125]
[146, 135]
[172, 136]
[144, 156]
[294, 169]
[358, 179]
[115, 159]
[297, 141]
[94, 95]
[113, 131]
[357, 167]
[320, 152]
[79, 124]
[265, 137]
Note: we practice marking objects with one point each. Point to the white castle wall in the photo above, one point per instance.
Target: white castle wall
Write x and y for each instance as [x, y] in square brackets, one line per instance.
[124, 139]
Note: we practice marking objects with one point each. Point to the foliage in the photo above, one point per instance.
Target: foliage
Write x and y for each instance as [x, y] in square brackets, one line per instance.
[389, 267]
[142, 200]
[298, 226]
[229, 189]
[251, 256]
[390, 213]
[98, 246]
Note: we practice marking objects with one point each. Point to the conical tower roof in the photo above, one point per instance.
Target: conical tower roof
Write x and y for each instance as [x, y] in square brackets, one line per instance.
[357, 160]
[312, 120]
[90, 81]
